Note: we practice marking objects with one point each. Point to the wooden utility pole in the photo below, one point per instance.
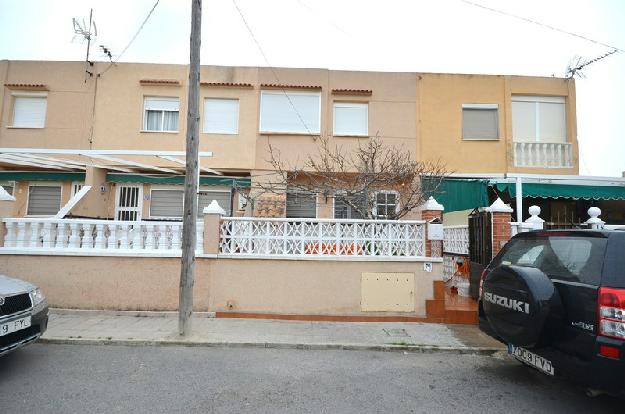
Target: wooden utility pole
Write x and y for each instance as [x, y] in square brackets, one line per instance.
[191, 179]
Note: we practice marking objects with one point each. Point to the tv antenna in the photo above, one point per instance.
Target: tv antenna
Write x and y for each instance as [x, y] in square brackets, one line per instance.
[575, 66]
[87, 33]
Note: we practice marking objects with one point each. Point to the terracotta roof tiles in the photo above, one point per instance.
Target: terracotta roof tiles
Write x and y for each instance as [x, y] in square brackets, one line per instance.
[172, 82]
[27, 86]
[352, 91]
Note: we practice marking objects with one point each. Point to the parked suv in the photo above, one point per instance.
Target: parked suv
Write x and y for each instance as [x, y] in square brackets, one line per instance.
[557, 300]
[23, 314]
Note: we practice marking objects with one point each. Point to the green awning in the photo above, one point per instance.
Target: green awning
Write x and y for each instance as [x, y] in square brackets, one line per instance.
[457, 195]
[41, 176]
[241, 182]
[575, 192]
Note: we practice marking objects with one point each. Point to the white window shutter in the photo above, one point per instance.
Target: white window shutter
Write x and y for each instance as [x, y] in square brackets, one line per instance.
[29, 112]
[166, 203]
[290, 112]
[552, 122]
[351, 119]
[221, 116]
[162, 104]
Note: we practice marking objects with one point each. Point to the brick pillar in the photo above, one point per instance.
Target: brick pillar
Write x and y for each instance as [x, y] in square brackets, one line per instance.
[432, 210]
[501, 215]
[212, 221]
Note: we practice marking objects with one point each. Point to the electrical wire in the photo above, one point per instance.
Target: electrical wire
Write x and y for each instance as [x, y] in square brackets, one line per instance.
[273, 71]
[131, 40]
[548, 26]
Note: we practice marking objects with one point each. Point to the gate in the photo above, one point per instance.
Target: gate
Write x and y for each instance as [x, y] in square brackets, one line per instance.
[480, 247]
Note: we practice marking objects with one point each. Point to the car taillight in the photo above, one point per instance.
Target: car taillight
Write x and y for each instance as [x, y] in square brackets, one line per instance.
[484, 273]
[612, 312]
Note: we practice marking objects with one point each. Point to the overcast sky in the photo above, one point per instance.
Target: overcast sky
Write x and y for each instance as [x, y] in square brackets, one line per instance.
[389, 35]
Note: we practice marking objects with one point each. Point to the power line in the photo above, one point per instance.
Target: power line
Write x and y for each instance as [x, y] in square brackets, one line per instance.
[273, 71]
[131, 40]
[548, 26]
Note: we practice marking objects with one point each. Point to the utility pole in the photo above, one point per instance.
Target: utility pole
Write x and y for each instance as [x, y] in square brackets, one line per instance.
[191, 180]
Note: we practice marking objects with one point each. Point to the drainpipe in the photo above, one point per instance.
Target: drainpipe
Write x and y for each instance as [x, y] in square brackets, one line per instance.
[519, 200]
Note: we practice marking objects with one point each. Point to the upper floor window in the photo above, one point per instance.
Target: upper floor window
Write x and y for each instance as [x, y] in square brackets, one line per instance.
[480, 121]
[221, 116]
[538, 119]
[386, 204]
[29, 110]
[351, 119]
[161, 114]
[290, 112]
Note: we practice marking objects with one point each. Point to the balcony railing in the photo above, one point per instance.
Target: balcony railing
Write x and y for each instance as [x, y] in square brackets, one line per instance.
[241, 237]
[543, 155]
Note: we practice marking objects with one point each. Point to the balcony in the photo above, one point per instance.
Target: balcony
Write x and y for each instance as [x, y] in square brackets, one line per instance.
[543, 155]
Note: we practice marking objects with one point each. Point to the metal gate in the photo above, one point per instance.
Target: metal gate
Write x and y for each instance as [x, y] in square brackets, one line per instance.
[480, 247]
[129, 202]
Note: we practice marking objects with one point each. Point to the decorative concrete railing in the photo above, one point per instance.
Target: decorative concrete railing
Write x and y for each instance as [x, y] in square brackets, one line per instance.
[95, 236]
[241, 236]
[543, 155]
[456, 239]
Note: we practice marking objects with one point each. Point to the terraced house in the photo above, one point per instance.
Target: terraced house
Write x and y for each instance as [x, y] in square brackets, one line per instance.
[119, 130]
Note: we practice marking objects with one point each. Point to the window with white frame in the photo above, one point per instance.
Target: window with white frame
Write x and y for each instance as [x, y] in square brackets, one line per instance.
[480, 121]
[539, 119]
[349, 207]
[290, 112]
[161, 114]
[207, 196]
[351, 119]
[44, 200]
[221, 116]
[166, 203]
[29, 110]
[386, 204]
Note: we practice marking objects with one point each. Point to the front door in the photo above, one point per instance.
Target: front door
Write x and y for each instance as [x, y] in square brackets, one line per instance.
[129, 202]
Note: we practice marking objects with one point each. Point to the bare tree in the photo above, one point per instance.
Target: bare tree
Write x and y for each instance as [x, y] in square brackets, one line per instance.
[355, 178]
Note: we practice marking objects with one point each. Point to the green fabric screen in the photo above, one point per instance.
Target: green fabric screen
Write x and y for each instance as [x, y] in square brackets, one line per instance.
[41, 176]
[457, 195]
[242, 182]
[575, 192]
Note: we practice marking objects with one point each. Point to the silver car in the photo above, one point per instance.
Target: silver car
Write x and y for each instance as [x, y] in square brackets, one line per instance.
[23, 313]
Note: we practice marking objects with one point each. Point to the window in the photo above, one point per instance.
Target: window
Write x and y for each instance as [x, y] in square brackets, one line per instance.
[43, 200]
[538, 119]
[300, 204]
[129, 199]
[207, 196]
[573, 259]
[290, 112]
[343, 209]
[386, 204]
[221, 116]
[161, 114]
[351, 119]
[166, 203]
[8, 186]
[29, 110]
[76, 187]
[480, 121]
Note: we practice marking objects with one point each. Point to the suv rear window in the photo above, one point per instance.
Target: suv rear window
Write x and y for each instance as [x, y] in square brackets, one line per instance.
[570, 258]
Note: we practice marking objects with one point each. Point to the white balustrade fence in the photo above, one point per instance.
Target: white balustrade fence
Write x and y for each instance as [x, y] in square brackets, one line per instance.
[57, 235]
[456, 239]
[543, 154]
[242, 236]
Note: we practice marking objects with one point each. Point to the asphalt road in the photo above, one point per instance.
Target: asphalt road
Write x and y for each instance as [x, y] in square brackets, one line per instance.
[114, 379]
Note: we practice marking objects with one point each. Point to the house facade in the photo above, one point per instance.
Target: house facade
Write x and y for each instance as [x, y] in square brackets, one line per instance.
[478, 125]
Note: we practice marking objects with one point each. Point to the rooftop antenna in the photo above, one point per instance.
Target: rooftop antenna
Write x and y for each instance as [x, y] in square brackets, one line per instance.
[87, 33]
[575, 66]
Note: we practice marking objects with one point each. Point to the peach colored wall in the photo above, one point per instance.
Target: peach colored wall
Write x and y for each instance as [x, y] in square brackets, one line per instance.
[440, 99]
[69, 106]
[250, 285]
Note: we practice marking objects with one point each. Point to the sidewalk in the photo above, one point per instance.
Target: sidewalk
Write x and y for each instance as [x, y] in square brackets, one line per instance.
[91, 327]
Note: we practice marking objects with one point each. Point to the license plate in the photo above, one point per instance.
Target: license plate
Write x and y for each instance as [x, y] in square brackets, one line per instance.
[531, 359]
[14, 325]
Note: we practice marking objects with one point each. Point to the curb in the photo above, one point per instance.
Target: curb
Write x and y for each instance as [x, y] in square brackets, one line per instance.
[141, 314]
[425, 349]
